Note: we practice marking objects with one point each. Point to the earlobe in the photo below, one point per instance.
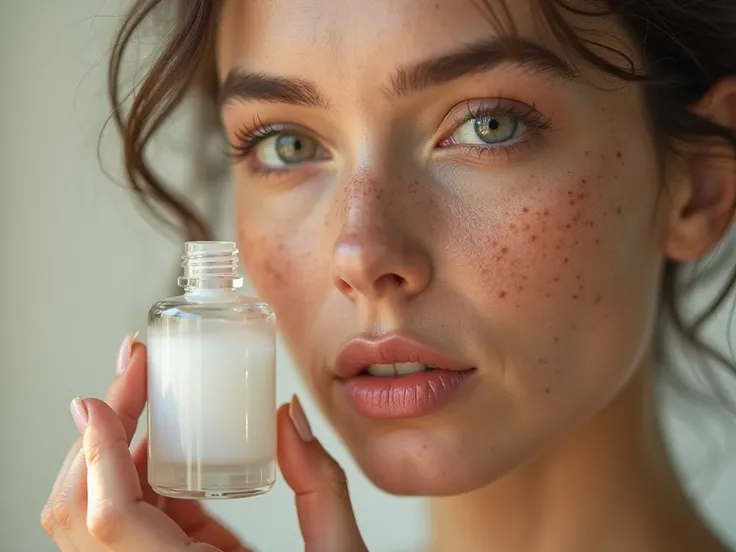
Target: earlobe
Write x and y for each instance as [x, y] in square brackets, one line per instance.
[703, 199]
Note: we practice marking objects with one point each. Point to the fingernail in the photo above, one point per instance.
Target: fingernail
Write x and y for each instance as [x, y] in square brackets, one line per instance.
[299, 419]
[126, 350]
[79, 414]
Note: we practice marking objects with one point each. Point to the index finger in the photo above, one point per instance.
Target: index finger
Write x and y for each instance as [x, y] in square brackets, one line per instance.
[117, 516]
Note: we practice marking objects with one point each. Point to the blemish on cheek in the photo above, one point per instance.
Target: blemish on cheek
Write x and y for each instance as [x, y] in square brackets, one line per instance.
[598, 300]
[501, 294]
[618, 154]
[526, 209]
[547, 390]
[618, 210]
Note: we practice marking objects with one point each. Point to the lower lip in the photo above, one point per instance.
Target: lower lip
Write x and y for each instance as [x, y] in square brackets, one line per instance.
[410, 396]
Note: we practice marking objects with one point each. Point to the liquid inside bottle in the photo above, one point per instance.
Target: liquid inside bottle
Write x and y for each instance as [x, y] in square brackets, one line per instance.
[211, 383]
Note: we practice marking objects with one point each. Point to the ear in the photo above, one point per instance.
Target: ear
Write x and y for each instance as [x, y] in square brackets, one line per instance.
[703, 188]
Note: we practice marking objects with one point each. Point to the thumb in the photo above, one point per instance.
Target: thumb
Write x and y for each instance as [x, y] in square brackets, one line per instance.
[326, 516]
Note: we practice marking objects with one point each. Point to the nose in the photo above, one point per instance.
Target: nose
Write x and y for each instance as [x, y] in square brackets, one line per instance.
[375, 257]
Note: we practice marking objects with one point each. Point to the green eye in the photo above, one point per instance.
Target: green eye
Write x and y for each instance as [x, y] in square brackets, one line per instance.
[495, 129]
[295, 148]
[490, 129]
[286, 148]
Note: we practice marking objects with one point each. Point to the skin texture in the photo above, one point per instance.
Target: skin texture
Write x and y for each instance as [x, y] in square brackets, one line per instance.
[515, 218]
[537, 262]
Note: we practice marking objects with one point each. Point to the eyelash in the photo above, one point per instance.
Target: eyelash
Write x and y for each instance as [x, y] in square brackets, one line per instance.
[524, 113]
[247, 138]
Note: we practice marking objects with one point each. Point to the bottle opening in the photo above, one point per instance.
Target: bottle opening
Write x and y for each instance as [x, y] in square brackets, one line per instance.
[210, 265]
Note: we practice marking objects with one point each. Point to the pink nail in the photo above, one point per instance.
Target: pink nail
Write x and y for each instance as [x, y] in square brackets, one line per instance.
[299, 419]
[79, 414]
[126, 350]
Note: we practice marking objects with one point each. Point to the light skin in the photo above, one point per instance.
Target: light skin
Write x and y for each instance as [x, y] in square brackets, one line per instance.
[512, 217]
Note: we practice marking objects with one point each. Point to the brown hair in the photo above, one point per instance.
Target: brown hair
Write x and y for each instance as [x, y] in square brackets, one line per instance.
[683, 47]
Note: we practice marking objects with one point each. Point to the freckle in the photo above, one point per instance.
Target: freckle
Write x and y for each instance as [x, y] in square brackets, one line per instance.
[502, 294]
[618, 154]
[577, 277]
[583, 181]
[546, 212]
[547, 390]
[527, 227]
[574, 327]
[566, 260]
[574, 296]
[568, 226]
[581, 288]
[572, 203]
[587, 153]
[576, 243]
[556, 339]
[548, 295]
[557, 279]
[512, 226]
[526, 209]
[597, 242]
[618, 210]
[504, 250]
[605, 213]
[597, 300]
[581, 195]
[534, 237]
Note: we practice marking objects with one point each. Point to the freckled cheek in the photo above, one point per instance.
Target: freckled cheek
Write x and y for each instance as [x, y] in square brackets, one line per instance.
[549, 255]
[281, 273]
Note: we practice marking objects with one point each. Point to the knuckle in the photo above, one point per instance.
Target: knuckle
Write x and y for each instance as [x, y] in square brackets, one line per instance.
[94, 451]
[47, 519]
[336, 479]
[104, 522]
[62, 510]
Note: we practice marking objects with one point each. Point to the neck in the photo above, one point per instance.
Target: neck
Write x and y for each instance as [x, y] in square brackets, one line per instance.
[608, 486]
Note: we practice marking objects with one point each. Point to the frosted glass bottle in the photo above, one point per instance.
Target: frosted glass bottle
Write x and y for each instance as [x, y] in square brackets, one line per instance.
[211, 383]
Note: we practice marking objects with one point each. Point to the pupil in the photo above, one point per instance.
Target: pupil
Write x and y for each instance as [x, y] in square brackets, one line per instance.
[493, 124]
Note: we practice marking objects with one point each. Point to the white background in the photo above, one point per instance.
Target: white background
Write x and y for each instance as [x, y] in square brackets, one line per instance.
[79, 268]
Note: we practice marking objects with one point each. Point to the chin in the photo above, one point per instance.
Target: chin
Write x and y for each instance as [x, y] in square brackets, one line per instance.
[423, 463]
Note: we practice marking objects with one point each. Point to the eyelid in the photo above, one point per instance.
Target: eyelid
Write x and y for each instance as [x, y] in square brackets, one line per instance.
[468, 110]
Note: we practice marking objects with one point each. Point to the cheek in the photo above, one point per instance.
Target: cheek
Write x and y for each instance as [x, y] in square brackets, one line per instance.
[566, 277]
[281, 270]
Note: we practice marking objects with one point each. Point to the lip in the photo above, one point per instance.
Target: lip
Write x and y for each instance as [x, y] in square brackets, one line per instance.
[407, 396]
[390, 349]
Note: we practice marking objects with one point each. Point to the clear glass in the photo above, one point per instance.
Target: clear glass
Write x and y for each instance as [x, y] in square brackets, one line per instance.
[211, 383]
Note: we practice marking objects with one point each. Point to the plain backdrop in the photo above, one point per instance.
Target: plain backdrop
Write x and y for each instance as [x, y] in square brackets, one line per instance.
[79, 268]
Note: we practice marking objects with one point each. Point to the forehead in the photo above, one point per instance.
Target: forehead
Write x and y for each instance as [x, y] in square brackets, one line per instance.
[345, 35]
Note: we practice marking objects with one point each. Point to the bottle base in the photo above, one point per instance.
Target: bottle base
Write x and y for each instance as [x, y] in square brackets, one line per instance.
[213, 494]
[211, 482]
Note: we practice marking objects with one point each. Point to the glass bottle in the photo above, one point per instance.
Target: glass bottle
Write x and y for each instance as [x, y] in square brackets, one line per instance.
[211, 383]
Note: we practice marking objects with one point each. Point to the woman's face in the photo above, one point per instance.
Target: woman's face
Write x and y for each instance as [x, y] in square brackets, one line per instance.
[400, 177]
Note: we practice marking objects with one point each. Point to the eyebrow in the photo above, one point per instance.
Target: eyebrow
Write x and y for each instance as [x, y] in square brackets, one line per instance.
[240, 85]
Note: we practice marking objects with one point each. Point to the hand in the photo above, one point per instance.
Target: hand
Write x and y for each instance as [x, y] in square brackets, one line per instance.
[101, 500]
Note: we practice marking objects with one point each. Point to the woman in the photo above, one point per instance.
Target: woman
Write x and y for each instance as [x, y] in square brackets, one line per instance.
[485, 206]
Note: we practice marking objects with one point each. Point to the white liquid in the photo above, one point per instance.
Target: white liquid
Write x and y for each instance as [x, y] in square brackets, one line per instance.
[212, 408]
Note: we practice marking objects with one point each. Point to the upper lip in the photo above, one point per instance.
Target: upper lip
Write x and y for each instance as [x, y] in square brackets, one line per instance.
[390, 349]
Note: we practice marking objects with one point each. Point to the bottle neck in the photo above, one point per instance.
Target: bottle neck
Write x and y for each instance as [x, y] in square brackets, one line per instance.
[210, 267]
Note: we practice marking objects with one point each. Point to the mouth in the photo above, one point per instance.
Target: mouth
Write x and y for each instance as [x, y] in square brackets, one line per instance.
[395, 376]
[397, 369]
